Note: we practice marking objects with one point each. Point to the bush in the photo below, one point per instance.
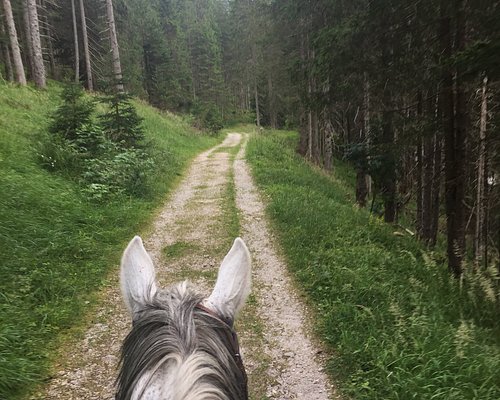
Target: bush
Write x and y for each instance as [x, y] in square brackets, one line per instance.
[208, 117]
[105, 157]
[75, 111]
[121, 123]
[57, 154]
[124, 171]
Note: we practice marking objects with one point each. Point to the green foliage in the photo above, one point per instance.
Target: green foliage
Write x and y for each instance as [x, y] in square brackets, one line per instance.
[125, 171]
[208, 117]
[398, 325]
[121, 123]
[75, 111]
[57, 247]
[105, 157]
[178, 249]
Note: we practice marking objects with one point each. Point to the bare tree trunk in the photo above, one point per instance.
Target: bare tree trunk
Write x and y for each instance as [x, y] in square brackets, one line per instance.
[388, 187]
[420, 175]
[256, 94]
[50, 48]
[454, 131]
[419, 192]
[460, 139]
[29, 46]
[272, 105]
[248, 98]
[309, 134]
[428, 161]
[367, 129]
[436, 189]
[117, 68]
[448, 112]
[38, 65]
[328, 161]
[75, 43]
[316, 139]
[14, 43]
[479, 237]
[6, 55]
[47, 32]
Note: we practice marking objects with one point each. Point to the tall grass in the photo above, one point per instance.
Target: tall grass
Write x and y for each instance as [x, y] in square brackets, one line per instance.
[397, 324]
[57, 245]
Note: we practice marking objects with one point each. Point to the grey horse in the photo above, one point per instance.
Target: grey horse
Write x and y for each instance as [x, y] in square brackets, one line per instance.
[181, 345]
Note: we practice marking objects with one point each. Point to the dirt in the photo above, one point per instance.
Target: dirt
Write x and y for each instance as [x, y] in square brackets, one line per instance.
[188, 240]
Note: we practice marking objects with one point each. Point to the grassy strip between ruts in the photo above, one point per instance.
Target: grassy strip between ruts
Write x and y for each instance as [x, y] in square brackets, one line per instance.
[398, 326]
[56, 245]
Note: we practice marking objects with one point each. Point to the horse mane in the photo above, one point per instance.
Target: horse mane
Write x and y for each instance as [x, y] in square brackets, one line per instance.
[192, 349]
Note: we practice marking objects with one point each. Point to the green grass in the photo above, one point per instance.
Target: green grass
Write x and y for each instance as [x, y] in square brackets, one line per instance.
[57, 246]
[178, 249]
[398, 326]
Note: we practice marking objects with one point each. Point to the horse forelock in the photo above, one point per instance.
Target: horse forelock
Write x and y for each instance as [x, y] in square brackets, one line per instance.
[176, 351]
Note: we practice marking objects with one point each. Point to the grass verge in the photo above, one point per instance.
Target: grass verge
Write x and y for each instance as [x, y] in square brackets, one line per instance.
[57, 246]
[397, 324]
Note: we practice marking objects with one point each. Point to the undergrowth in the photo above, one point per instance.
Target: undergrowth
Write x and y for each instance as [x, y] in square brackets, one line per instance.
[58, 243]
[398, 325]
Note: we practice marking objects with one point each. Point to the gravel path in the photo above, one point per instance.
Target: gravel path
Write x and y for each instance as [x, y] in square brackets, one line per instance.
[192, 222]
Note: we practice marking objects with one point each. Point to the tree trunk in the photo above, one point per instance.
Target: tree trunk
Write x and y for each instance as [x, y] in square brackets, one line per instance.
[481, 201]
[436, 189]
[256, 94]
[454, 129]
[362, 177]
[328, 159]
[50, 49]
[388, 180]
[389, 183]
[38, 65]
[75, 43]
[14, 43]
[316, 139]
[367, 129]
[420, 175]
[117, 68]
[428, 161]
[272, 102]
[388, 187]
[29, 57]
[460, 138]
[419, 190]
[6, 55]
[309, 134]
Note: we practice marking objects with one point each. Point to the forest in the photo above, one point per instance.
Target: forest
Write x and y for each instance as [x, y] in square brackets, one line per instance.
[405, 93]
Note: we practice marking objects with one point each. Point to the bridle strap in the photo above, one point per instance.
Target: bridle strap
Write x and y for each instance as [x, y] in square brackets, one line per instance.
[227, 321]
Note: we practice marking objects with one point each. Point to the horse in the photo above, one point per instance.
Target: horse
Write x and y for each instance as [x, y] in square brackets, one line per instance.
[182, 345]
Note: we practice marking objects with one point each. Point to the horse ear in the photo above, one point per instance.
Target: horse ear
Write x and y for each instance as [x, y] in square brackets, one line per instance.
[233, 281]
[137, 276]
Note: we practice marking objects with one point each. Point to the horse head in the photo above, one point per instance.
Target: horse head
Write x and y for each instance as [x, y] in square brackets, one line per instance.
[181, 345]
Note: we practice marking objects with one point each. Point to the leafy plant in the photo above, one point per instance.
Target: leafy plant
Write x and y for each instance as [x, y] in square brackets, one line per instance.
[208, 117]
[123, 171]
[121, 123]
[105, 157]
[75, 111]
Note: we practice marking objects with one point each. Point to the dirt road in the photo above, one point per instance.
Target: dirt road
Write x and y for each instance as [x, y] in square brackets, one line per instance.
[188, 239]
